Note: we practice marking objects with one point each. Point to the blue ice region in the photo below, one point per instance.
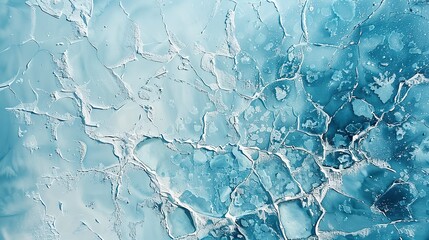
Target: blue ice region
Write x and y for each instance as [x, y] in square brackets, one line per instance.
[214, 119]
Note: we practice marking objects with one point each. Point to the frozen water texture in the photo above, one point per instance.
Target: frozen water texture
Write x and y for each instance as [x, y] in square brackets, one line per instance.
[214, 119]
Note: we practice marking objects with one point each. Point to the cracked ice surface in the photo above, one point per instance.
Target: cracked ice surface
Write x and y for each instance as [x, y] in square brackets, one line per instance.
[220, 119]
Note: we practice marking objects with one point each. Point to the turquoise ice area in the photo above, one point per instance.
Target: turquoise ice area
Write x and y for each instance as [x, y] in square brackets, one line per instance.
[214, 119]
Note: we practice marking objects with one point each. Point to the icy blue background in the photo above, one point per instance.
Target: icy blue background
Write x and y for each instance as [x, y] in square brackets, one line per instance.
[214, 119]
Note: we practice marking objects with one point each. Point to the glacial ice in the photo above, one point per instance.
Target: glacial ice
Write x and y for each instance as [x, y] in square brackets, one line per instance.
[220, 119]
